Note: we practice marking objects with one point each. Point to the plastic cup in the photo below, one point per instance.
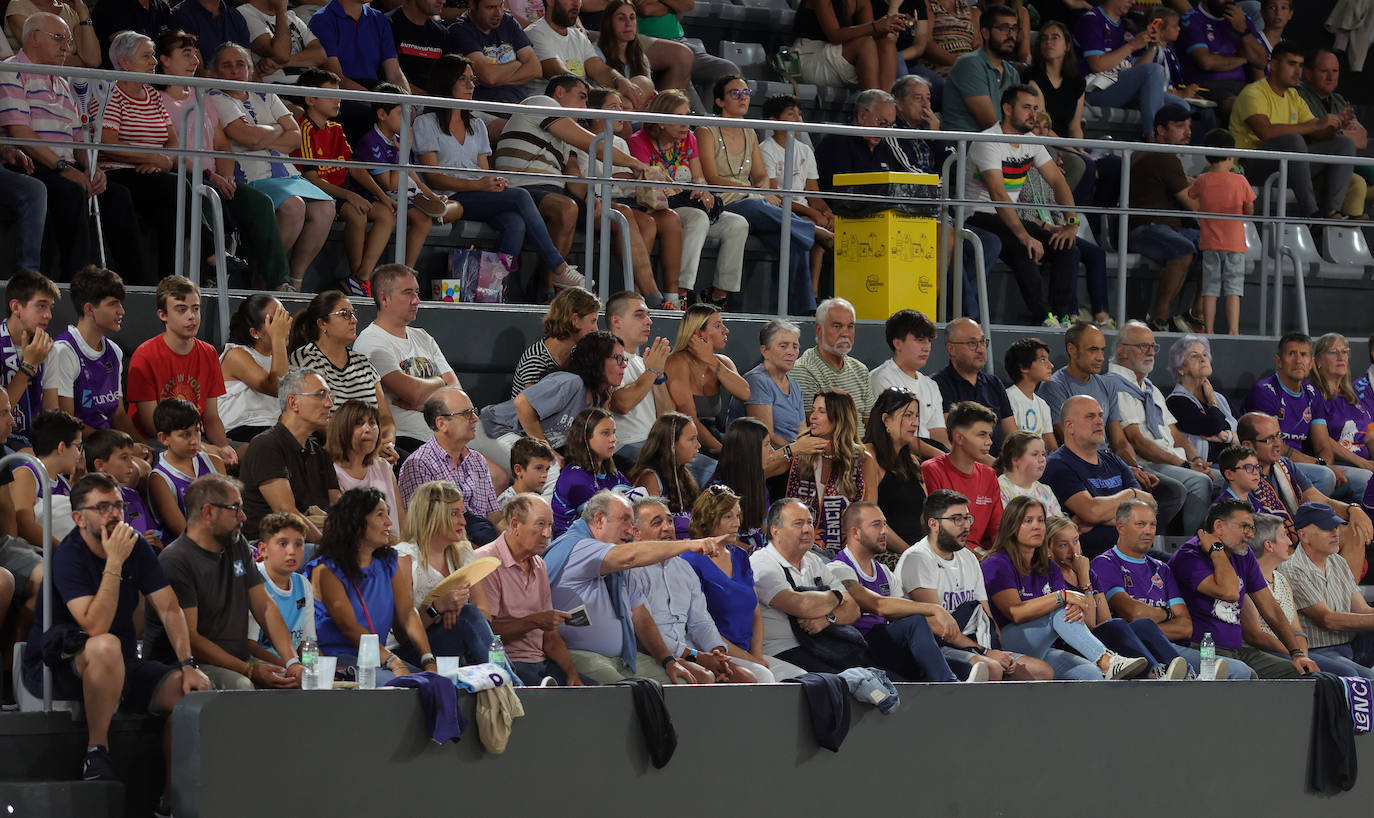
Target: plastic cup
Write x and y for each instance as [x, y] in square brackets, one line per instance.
[324, 676]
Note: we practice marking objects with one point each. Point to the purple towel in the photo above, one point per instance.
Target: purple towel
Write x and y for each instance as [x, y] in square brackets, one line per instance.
[439, 698]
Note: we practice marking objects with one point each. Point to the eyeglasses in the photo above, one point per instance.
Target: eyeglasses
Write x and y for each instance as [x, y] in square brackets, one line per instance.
[107, 508]
[1007, 28]
[347, 315]
[321, 394]
[958, 519]
[1248, 468]
[1246, 527]
[63, 39]
[1151, 347]
[976, 343]
[739, 93]
[467, 413]
[234, 507]
[1339, 353]
[619, 358]
[1270, 438]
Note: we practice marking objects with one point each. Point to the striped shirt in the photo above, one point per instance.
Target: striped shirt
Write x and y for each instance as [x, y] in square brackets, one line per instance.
[813, 374]
[43, 103]
[355, 381]
[526, 145]
[535, 363]
[1335, 588]
[134, 120]
[1013, 161]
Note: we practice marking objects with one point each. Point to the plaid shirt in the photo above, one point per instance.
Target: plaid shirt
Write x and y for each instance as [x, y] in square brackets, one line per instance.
[472, 477]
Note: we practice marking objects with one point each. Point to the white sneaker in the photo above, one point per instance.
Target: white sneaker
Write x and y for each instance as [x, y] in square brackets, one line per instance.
[548, 681]
[1176, 670]
[1121, 667]
[569, 277]
[978, 674]
[1223, 671]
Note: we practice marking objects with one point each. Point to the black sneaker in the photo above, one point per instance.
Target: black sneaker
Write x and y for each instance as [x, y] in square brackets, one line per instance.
[97, 766]
[164, 808]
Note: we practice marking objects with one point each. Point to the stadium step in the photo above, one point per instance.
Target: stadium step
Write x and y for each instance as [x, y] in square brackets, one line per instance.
[87, 799]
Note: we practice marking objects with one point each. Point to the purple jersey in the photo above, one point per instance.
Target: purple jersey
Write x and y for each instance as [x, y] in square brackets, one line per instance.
[60, 486]
[575, 487]
[30, 402]
[374, 147]
[1145, 580]
[1215, 616]
[1217, 35]
[95, 393]
[179, 481]
[880, 584]
[1294, 411]
[138, 515]
[999, 574]
[1095, 33]
[1344, 422]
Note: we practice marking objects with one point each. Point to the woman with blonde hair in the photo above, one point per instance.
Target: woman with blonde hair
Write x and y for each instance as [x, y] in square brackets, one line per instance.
[354, 441]
[701, 378]
[843, 472]
[434, 544]
[1034, 607]
[1340, 418]
[572, 315]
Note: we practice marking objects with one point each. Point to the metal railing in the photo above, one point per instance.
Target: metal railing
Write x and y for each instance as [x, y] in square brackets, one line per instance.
[8, 462]
[953, 209]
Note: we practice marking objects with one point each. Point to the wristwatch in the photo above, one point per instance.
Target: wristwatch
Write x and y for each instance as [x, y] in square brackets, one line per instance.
[1321, 461]
[62, 165]
[1216, 546]
[189, 662]
[830, 617]
[433, 612]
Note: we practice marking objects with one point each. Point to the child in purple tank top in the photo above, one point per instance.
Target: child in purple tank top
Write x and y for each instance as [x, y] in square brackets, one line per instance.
[115, 453]
[56, 438]
[178, 428]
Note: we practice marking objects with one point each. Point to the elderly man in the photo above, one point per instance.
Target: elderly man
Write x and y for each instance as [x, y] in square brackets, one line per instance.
[520, 598]
[979, 79]
[785, 567]
[964, 378]
[672, 599]
[1318, 90]
[996, 172]
[1270, 115]
[588, 566]
[99, 573]
[1138, 586]
[841, 153]
[407, 359]
[211, 570]
[1217, 572]
[446, 456]
[1152, 430]
[286, 468]
[900, 632]
[1287, 394]
[1285, 487]
[1339, 624]
[827, 365]
[42, 107]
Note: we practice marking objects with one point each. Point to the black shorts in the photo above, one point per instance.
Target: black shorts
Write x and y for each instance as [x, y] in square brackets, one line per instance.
[143, 678]
[538, 192]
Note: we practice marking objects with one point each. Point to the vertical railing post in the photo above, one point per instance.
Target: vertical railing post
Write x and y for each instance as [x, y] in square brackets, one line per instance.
[589, 228]
[1281, 236]
[403, 186]
[956, 306]
[1123, 237]
[221, 260]
[603, 274]
[193, 141]
[789, 150]
[193, 238]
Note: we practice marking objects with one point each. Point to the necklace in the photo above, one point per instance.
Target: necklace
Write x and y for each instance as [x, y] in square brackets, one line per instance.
[742, 171]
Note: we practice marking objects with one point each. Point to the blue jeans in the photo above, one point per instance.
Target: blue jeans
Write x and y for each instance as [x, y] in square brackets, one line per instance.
[27, 198]
[469, 639]
[1198, 490]
[1323, 479]
[1354, 658]
[992, 248]
[1161, 243]
[1235, 668]
[1139, 637]
[513, 214]
[1139, 87]
[1357, 483]
[765, 221]
[1036, 638]
[907, 644]
[1094, 261]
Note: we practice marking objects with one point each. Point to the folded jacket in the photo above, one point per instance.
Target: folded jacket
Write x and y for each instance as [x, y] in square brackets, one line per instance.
[827, 698]
[654, 722]
[439, 699]
[497, 709]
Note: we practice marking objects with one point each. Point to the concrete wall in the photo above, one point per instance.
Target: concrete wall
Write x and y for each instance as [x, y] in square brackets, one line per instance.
[1054, 748]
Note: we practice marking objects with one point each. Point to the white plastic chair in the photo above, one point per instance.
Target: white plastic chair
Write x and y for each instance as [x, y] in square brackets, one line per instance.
[29, 703]
[1298, 237]
[1347, 253]
[1254, 245]
[750, 57]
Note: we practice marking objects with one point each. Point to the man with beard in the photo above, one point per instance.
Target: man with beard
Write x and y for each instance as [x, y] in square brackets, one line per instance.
[563, 47]
[827, 365]
[1220, 41]
[1159, 446]
[211, 570]
[900, 631]
[1217, 572]
[979, 79]
[939, 570]
[99, 571]
[996, 173]
[964, 378]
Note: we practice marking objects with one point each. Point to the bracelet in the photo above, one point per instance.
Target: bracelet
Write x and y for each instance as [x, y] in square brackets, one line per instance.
[294, 660]
[114, 574]
[874, 23]
[392, 657]
[667, 660]
[427, 659]
[1059, 599]
[248, 668]
[658, 373]
[839, 597]
[1169, 615]
[1296, 652]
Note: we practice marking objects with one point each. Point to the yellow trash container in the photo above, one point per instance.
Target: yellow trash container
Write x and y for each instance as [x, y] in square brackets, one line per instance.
[885, 259]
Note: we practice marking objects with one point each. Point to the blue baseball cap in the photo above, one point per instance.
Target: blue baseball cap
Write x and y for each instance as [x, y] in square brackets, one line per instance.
[1318, 514]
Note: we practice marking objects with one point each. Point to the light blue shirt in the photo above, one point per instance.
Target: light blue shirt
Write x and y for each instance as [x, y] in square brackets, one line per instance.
[788, 413]
[581, 583]
[673, 595]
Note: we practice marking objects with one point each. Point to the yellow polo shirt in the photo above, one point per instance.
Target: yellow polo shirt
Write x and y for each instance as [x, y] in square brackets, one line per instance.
[1259, 98]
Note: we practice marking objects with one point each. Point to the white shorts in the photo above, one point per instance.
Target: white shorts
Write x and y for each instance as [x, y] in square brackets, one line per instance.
[823, 63]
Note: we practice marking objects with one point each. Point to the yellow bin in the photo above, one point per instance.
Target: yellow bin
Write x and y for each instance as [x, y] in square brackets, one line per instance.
[886, 261]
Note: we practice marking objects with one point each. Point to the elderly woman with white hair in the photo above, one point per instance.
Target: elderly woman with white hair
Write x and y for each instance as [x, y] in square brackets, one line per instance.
[132, 114]
[1202, 413]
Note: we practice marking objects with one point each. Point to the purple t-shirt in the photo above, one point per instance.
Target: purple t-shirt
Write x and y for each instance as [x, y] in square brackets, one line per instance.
[880, 584]
[1095, 34]
[1346, 424]
[574, 488]
[137, 515]
[1145, 580]
[999, 574]
[1220, 618]
[1294, 412]
[95, 392]
[1217, 35]
[30, 401]
[375, 147]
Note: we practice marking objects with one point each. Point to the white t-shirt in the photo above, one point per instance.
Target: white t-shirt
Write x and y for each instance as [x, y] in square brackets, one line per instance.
[1031, 414]
[416, 355]
[803, 163]
[634, 425]
[1013, 160]
[888, 374]
[423, 577]
[956, 581]
[62, 367]
[257, 109]
[769, 580]
[573, 48]
[1133, 413]
[260, 23]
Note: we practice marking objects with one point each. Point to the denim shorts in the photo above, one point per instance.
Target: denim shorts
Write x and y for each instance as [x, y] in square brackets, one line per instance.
[1161, 243]
[1223, 273]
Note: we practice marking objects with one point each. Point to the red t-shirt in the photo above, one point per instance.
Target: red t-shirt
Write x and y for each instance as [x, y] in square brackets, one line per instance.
[328, 142]
[981, 489]
[156, 373]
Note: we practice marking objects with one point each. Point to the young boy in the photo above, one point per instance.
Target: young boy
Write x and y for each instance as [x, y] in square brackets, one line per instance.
[805, 176]
[280, 554]
[530, 459]
[1240, 468]
[323, 138]
[1223, 240]
[177, 364]
[970, 429]
[1028, 365]
[116, 454]
[382, 144]
[178, 428]
[83, 362]
[25, 345]
[910, 335]
[56, 442]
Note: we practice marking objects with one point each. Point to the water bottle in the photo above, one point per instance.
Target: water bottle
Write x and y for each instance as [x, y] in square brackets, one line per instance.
[310, 662]
[369, 657]
[1208, 671]
[496, 654]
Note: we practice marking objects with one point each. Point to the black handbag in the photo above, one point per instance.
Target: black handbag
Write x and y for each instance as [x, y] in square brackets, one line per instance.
[841, 646]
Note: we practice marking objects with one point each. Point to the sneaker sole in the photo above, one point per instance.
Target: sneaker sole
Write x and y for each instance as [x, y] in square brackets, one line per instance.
[1223, 670]
[1132, 668]
[1177, 669]
[978, 674]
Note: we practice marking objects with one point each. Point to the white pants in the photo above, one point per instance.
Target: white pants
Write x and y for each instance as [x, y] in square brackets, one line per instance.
[730, 229]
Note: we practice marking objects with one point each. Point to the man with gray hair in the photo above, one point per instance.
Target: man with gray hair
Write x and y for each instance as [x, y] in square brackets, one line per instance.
[286, 468]
[841, 153]
[827, 365]
[445, 456]
[588, 567]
